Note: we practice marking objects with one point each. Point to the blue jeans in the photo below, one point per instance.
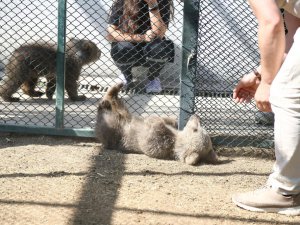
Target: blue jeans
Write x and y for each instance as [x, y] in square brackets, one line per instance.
[153, 55]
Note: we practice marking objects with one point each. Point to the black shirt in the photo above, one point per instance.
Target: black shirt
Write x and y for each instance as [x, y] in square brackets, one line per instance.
[143, 15]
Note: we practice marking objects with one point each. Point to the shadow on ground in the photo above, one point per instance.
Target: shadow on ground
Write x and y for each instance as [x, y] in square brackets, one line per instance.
[99, 194]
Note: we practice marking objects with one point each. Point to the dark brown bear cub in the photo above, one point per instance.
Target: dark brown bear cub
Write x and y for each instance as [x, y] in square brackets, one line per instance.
[154, 136]
[31, 61]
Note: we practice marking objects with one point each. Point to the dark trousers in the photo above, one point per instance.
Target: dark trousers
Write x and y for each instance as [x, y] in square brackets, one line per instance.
[153, 55]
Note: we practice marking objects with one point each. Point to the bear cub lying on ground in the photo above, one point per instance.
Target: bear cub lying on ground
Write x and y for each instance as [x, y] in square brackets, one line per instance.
[155, 136]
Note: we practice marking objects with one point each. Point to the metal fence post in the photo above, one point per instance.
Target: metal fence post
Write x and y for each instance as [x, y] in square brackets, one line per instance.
[60, 63]
[189, 53]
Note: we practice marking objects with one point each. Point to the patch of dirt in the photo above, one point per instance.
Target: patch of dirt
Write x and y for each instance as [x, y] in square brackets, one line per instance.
[59, 181]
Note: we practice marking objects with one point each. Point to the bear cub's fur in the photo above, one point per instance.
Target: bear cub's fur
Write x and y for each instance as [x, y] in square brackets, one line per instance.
[154, 136]
[31, 61]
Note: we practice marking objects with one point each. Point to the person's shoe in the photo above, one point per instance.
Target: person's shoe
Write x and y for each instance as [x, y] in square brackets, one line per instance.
[268, 200]
[153, 86]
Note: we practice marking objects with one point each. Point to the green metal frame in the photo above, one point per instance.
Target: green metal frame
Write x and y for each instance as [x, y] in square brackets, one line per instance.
[60, 63]
[59, 128]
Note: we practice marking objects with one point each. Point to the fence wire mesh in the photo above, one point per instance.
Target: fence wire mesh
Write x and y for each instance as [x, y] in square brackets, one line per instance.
[28, 43]
[227, 49]
[21, 22]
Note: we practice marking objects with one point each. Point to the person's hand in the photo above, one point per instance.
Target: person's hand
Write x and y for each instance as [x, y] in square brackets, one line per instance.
[262, 96]
[109, 38]
[246, 88]
[149, 36]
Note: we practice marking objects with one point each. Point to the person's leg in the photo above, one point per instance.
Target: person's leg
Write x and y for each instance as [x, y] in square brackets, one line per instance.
[282, 194]
[125, 56]
[285, 100]
[158, 53]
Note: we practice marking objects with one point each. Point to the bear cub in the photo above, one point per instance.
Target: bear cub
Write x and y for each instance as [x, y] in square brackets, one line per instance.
[155, 136]
[31, 61]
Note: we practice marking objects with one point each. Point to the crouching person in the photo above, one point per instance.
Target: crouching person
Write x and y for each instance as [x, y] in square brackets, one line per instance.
[137, 32]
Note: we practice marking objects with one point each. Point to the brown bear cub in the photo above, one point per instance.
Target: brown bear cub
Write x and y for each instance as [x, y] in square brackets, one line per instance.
[154, 136]
[31, 61]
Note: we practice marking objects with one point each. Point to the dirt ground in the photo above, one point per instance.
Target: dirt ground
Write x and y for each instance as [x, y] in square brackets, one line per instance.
[59, 181]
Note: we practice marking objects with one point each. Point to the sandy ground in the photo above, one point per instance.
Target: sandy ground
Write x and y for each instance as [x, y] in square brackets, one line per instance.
[56, 180]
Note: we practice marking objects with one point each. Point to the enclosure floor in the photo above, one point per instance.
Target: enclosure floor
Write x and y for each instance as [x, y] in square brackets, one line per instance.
[63, 181]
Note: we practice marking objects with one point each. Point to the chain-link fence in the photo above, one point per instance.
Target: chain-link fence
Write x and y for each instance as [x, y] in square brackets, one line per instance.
[28, 41]
[152, 69]
[227, 49]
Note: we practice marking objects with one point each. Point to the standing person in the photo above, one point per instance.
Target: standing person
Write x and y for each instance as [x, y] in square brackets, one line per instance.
[137, 31]
[276, 87]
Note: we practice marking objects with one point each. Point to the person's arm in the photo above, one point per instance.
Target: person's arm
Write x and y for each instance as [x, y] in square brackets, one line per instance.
[271, 42]
[246, 88]
[114, 34]
[271, 38]
[158, 26]
[292, 24]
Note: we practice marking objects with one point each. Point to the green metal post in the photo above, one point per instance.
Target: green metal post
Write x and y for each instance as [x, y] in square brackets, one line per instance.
[60, 63]
[189, 53]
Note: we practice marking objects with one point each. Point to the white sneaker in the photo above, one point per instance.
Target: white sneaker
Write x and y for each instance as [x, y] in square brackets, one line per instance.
[121, 79]
[154, 86]
[268, 200]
